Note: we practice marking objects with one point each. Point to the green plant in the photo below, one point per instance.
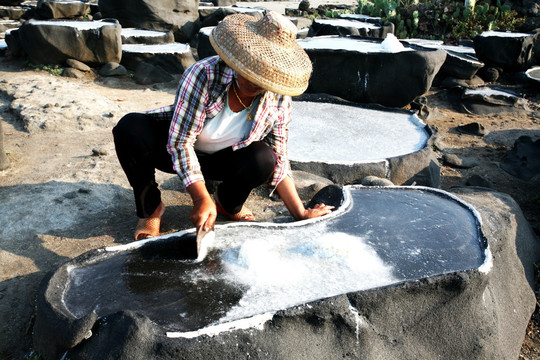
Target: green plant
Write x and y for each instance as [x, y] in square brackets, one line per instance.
[444, 20]
[50, 68]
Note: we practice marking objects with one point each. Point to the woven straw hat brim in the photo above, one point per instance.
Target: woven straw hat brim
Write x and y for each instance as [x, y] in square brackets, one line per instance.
[283, 68]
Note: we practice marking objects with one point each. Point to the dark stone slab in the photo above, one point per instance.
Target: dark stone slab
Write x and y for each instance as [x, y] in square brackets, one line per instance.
[351, 26]
[429, 271]
[178, 16]
[523, 160]
[143, 36]
[53, 42]
[212, 15]
[49, 9]
[510, 51]
[173, 57]
[366, 76]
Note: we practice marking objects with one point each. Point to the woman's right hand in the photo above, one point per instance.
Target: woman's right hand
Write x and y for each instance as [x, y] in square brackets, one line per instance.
[204, 209]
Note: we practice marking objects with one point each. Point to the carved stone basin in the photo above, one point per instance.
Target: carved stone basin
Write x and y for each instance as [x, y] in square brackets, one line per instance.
[377, 237]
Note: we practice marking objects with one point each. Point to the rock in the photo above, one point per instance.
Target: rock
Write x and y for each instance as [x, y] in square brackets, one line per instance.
[113, 69]
[480, 313]
[489, 100]
[369, 72]
[375, 181]
[490, 74]
[173, 58]
[76, 64]
[147, 74]
[53, 42]
[304, 5]
[523, 160]
[11, 2]
[460, 162]
[178, 16]
[4, 160]
[141, 36]
[14, 43]
[510, 51]
[450, 82]
[73, 73]
[99, 152]
[49, 9]
[211, 16]
[13, 12]
[479, 181]
[349, 27]
[473, 128]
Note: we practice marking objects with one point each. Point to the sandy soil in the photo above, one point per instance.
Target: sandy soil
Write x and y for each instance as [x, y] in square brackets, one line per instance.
[65, 193]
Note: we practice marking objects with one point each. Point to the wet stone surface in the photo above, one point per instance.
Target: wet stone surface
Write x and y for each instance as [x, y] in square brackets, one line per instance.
[379, 237]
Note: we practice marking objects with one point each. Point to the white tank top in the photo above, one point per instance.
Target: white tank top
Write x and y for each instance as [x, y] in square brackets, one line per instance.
[224, 130]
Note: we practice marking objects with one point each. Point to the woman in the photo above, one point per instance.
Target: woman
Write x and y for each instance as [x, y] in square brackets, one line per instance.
[229, 122]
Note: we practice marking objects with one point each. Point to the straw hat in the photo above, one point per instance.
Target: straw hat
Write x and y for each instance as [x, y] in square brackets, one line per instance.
[263, 51]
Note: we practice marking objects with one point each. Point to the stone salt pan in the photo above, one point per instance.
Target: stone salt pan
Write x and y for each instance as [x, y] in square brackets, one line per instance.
[157, 49]
[81, 25]
[347, 23]
[341, 134]
[349, 44]
[141, 32]
[504, 34]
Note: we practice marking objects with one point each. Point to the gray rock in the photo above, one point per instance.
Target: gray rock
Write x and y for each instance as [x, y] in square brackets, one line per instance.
[14, 44]
[477, 180]
[73, 73]
[53, 42]
[76, 64]
[323, 27]
[460, 162]
[450, 82]
[375, 181]
[12, 12]
[113, 69]
[474, 314]
[523, 160]
[174, 58]
[512, 53]
[142, 36]
[371, 77]
[4, 160]
[490, 74]
[178, 16]
[49, 9]
[147, 74]
[308, 184]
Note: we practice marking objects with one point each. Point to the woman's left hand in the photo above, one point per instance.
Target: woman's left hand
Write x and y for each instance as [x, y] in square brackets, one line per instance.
[318, 210]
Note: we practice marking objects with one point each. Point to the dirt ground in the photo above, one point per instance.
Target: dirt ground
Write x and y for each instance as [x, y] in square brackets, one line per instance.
[65, 193]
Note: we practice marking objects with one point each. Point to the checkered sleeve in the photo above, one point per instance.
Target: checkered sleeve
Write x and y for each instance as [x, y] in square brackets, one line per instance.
[277, 139]
[187, 122]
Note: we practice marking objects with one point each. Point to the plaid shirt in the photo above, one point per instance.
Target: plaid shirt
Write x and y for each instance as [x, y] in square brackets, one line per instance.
[200, 96]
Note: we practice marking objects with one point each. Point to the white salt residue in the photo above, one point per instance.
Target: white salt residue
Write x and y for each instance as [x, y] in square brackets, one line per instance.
[359, 17]
[341, 43]
[425, 42]
[347, 23]
[236, 9]
[254, 322]
[281, 272]
[485, 91]
[142, 32]
[340, 134]
[157, 48]
[80, 25]
[533, 73]
[485, 268]
[504, 34]
[206, 30]
[392, 44]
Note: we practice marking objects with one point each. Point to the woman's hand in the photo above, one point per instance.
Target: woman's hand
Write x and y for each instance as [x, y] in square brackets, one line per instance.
[318, 210]
[204, 209]
[287, 192]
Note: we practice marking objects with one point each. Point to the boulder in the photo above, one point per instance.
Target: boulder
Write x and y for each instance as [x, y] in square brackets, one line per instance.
[345, 27]
[147, 74]
[53, 42]
[8, 24]
[368, 71]
[508, 50]
[523, 160]
[14, 43]
[51, 9]
[478, 309]
[148, 37]
[173, 58]
[178, 16]
[11, 2]
[12, 12]
[212, 15]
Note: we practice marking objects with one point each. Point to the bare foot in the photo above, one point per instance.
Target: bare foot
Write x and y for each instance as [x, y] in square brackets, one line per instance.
[149, 227]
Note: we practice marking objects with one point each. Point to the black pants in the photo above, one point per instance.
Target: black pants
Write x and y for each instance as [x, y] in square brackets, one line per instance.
[141, 140]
